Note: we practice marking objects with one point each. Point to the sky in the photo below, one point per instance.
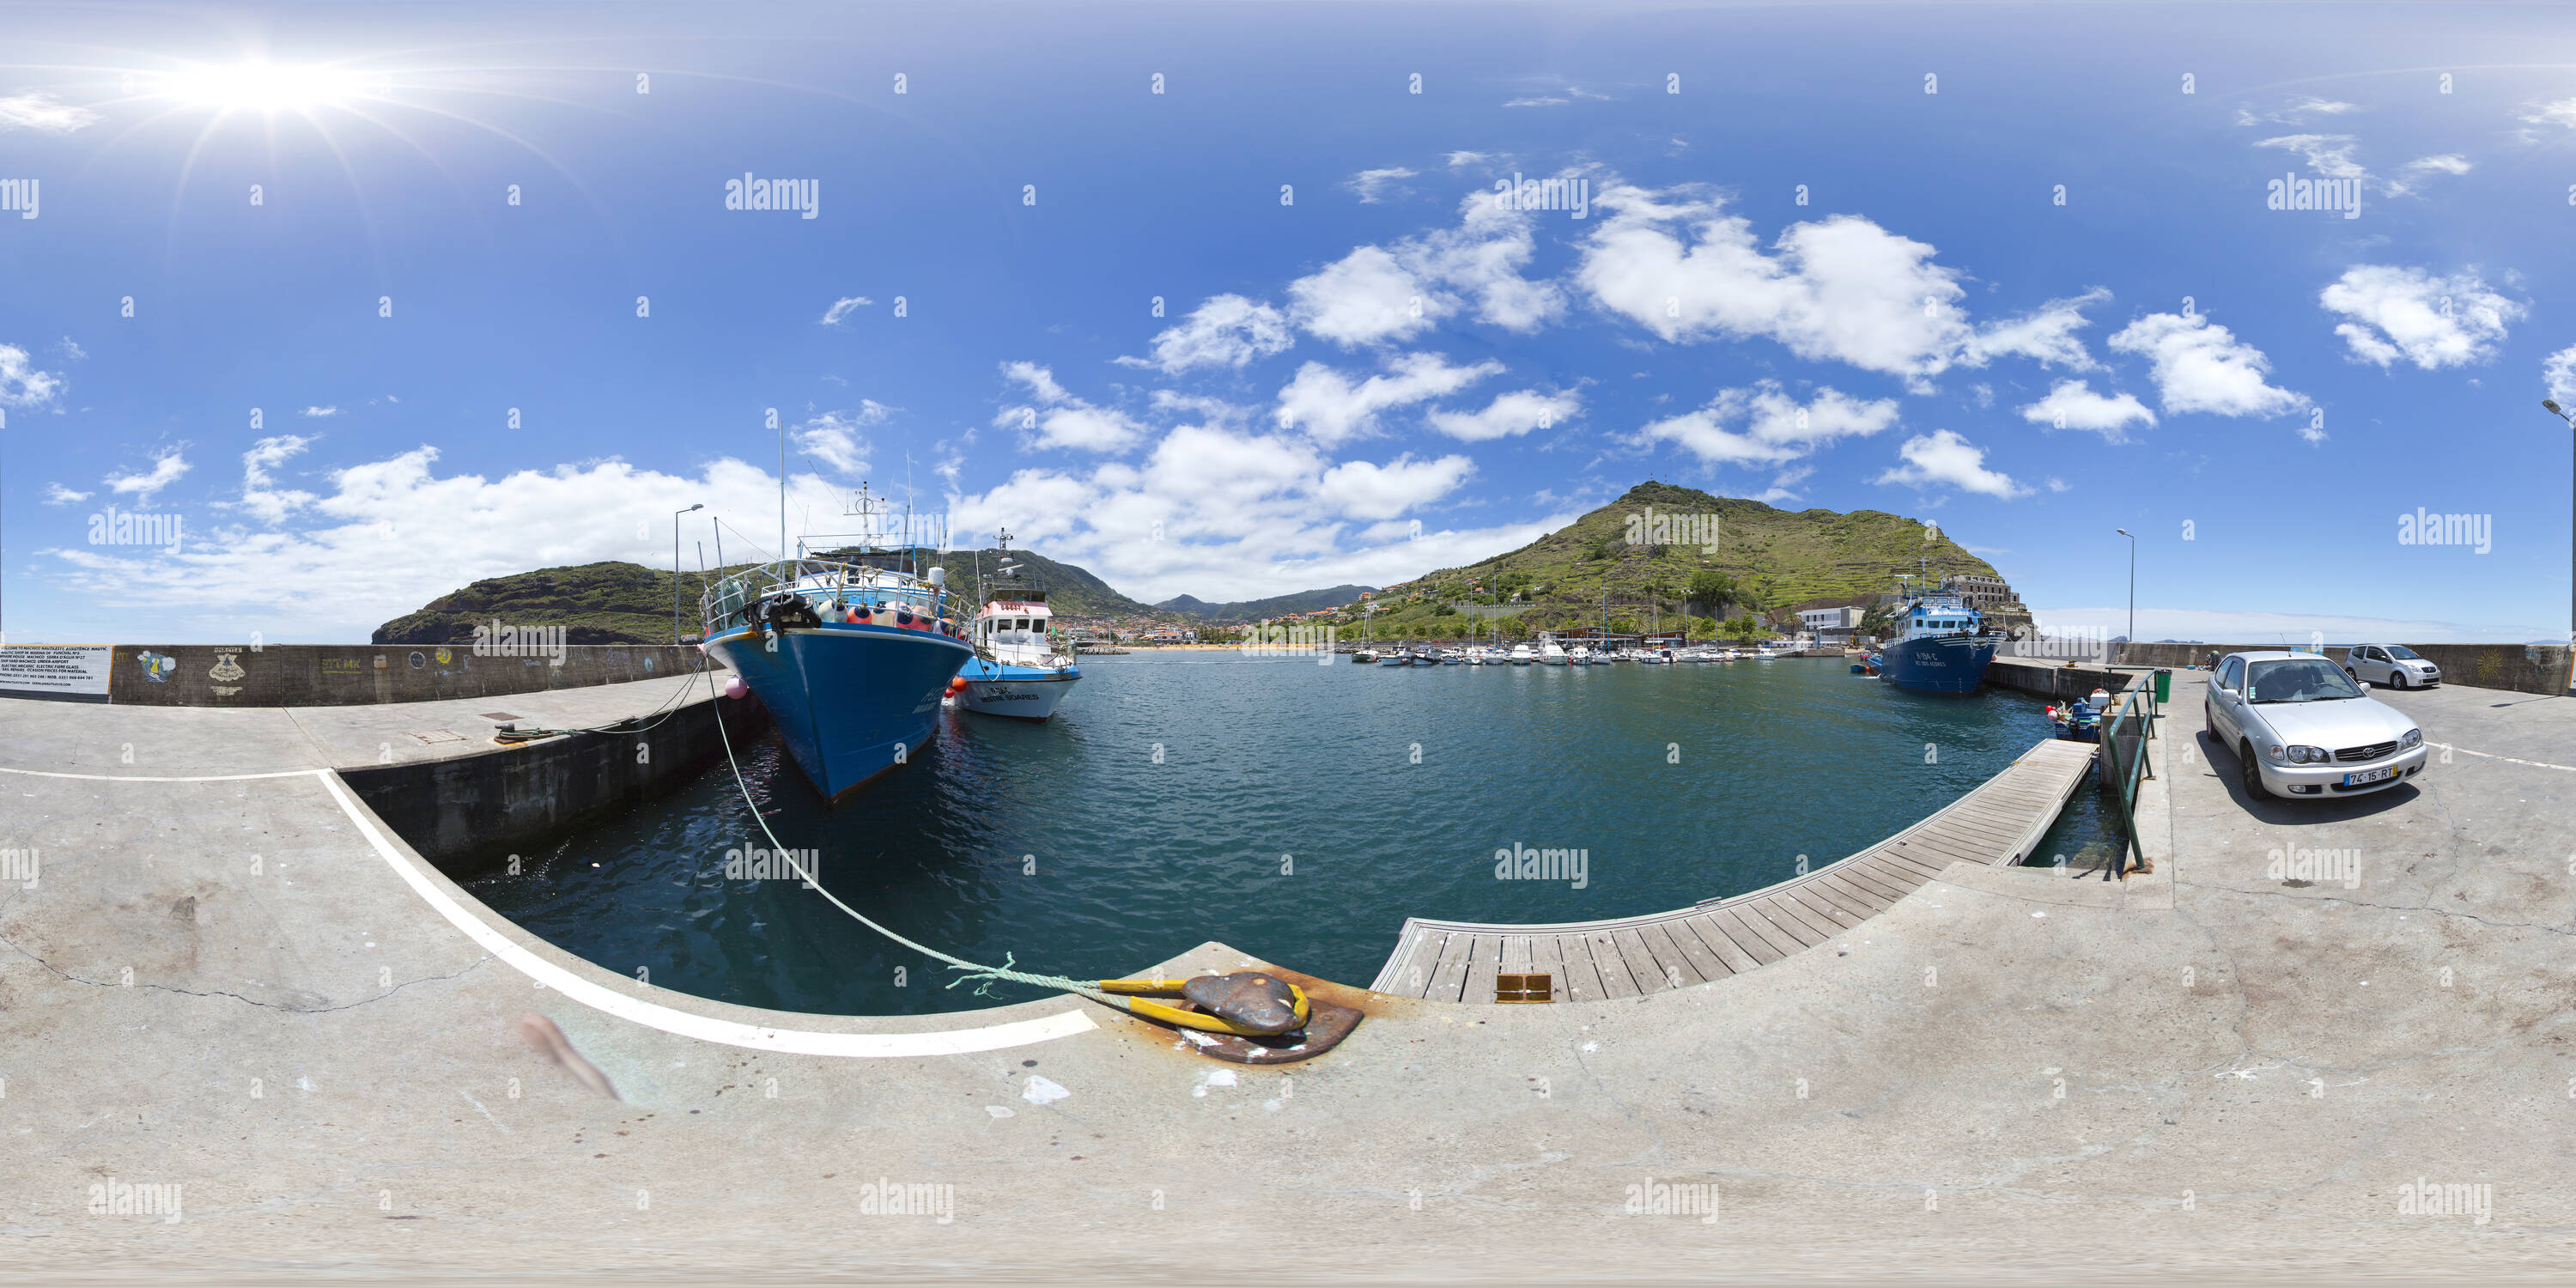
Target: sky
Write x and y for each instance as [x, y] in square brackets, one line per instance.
[1236, 301]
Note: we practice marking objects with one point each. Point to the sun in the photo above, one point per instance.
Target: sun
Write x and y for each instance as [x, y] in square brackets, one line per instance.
[265, 87]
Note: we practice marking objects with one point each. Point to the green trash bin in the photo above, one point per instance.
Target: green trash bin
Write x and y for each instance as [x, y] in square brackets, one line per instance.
[2164, 685]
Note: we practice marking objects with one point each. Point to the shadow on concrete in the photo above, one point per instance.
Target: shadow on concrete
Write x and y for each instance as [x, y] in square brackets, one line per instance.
[2289, 813]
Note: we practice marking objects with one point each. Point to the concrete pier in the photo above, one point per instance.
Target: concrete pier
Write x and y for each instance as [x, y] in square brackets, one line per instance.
[230, 978]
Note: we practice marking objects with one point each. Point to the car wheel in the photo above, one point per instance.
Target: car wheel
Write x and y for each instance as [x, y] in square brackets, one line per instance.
[2396, 678]
[2249, 772]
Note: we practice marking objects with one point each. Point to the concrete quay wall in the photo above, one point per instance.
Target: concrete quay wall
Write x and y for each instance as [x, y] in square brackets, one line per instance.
[332, 675]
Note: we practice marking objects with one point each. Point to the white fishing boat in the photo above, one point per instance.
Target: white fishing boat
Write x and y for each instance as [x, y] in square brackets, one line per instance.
[1521, 655]
[1018, 669]
[1578, 656]
[1551, 653]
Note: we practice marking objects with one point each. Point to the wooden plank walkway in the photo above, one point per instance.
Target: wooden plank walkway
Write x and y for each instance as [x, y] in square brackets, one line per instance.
[1998, 823]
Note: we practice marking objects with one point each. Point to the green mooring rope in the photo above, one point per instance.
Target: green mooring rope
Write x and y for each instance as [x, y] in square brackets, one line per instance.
[982, 976]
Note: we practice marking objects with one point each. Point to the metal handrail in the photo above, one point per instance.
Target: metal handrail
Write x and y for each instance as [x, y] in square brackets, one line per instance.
[872, 588]
[2138, 704]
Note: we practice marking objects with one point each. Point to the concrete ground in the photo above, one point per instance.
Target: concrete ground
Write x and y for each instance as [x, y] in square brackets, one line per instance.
[2213, 1071]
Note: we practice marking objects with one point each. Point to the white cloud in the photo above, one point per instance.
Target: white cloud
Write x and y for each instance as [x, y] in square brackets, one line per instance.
[166, 469]
[2562, 112]
[1376, 294]
[260, 493]
[22, 383]
[1367, 491]
[1541, 100]
[832, 438]
[2327, 154]
[391, 535]
[2200, 366]
[2045, 335]
[1372, 185]
[1840, 289]
[1462, 159]
[2056, 484]
[2298, 111]
[1508, 416]
[2559, 371]
[2446, 163]
[1216, 512]
[1329, 408]
[57, 494]
[1776, 428]
[36, 111]
[71, 350]
[1944, 459]
[1226, 331]
[1058, 419]
[332, 410]
[2072, 404]
[844, 307]
[2430, 321]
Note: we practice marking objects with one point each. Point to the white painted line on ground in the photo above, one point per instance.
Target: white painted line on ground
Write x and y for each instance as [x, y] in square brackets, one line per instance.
[2510, 760]
[138, 778]
[991, 1037]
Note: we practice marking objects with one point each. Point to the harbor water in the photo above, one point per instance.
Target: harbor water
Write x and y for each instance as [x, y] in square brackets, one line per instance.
[1294, 810]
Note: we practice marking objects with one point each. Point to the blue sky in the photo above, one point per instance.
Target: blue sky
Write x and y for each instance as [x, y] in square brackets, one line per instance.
[2282, 384]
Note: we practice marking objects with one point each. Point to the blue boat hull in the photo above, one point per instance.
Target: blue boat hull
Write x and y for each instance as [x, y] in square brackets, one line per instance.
[1027, 692]
[1937, 664]
[850, 701]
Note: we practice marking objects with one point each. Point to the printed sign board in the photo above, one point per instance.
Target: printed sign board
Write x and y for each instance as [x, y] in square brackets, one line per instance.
[69, 672]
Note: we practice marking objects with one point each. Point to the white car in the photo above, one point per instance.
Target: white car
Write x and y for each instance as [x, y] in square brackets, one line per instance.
[2394, 666]
[2300, 728]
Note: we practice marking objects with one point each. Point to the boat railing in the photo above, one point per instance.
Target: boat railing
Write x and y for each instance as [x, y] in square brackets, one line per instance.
[820, 582]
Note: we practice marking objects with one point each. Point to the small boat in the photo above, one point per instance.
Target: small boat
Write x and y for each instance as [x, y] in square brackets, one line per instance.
[1475, 657]
[2077, 721]
[1453, 657]
[1658, 658]
[1521, 655]
[1578, 656]
[1395, 657]
[1551, 653]
[1364, 657]
[1425, 655]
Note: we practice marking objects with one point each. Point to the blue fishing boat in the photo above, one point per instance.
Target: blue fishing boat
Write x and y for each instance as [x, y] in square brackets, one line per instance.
[1942, 647]
[850, 650]
[1017, 669]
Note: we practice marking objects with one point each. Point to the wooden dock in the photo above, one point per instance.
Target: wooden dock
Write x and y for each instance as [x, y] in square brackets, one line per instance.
[1998, 823]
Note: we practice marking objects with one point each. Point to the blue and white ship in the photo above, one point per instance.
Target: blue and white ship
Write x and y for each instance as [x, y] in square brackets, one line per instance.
[1017, 669]
[1941, 648]
[851, 652]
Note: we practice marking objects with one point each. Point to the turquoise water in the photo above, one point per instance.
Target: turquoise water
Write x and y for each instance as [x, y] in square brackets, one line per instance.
[1296, 811]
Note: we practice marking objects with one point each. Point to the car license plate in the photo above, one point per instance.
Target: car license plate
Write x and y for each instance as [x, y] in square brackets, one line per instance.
[2366, 776]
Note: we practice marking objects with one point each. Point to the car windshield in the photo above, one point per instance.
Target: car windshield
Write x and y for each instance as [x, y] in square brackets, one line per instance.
[2402, 653]
[2303, 679]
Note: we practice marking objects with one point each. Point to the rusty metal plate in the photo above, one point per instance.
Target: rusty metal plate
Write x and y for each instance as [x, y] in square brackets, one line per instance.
[1326, 1026]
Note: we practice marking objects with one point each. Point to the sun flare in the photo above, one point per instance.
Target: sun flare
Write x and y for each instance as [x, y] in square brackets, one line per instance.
[265, 87]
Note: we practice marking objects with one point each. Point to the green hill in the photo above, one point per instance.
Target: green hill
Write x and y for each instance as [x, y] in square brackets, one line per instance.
[624, 603]
[1071, 591]
[601, 603]
[1252, 610]
[1774, 560]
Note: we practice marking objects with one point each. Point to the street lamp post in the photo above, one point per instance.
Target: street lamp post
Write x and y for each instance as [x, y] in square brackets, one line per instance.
[675, 567]
[2552, 405]
[2133, 582]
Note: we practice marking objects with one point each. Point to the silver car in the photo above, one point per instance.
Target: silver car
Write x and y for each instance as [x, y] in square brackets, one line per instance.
[2392, 666]
[2301, 728]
